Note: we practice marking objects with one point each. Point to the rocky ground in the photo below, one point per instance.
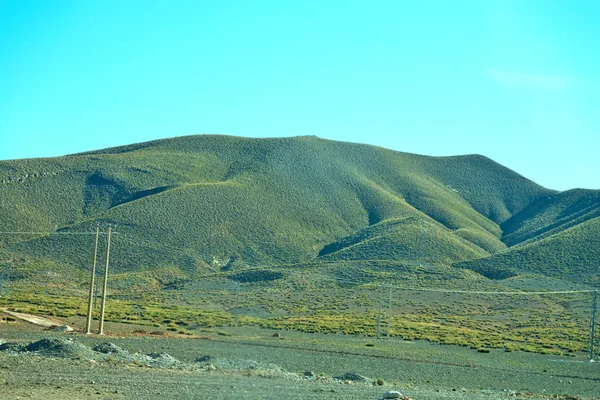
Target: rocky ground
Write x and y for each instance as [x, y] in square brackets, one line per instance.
[38, 364]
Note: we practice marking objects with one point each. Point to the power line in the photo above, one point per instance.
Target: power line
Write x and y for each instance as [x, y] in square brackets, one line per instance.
[459, 291]
[52, 233]
[495, 292]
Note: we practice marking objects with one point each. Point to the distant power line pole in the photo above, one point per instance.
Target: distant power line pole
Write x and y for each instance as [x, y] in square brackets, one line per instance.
[593, 325]
[4, 281]
[379, 311]
[423, 242]
[389, 327]
[102, 305]
[7, 280]
[91, 295]
[237, 302]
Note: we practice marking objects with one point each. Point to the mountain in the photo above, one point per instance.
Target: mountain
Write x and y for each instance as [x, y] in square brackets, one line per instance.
[207, 202]
[556, 236]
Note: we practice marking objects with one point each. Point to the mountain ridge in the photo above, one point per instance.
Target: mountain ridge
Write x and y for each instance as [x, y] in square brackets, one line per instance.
[290, 200]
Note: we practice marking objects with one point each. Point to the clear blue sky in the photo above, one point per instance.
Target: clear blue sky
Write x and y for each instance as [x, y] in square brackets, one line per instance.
[517, 81]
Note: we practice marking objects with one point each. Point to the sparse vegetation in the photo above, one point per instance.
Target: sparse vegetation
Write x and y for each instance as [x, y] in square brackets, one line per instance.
[309, 227]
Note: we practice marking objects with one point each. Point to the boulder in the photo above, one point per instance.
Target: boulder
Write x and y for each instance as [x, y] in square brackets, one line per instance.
[352, 377]
[392, 394]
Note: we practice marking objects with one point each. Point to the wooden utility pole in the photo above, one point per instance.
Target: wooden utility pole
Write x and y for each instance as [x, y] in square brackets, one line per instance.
[91, 296]
[237, 301]
[7, 281]
[593, 325]
[390, 313]
[379, 312]
[102, 305]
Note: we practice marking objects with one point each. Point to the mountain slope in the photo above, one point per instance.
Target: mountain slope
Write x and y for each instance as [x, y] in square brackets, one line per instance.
[203, 200]
[573, 254]
[551, 215]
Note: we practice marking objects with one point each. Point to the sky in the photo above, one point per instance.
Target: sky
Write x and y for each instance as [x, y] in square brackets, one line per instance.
[516, 81]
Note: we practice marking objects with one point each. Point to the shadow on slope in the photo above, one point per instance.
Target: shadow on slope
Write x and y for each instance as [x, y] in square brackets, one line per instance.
[571, 254]
[552, 214]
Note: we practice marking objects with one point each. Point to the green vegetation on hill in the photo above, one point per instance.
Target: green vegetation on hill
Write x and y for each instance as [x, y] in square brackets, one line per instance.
[409, 239]
[196, 203]
[552, 214]
[572, 254]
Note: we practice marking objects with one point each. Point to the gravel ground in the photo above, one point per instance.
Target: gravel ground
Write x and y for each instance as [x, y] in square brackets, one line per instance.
[259, 366]
[30, 376]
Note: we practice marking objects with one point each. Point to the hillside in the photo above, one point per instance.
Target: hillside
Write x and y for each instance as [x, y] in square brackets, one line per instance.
[197, 203]
[552, 214]
[572, 254]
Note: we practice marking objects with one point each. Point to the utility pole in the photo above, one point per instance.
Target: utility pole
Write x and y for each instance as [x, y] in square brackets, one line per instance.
[96, 291]
[237, 302]
[423, 243]
[91, 296]
[101, 325]
[379, 312]
[7, 283]
[389, 313]
[593, 325]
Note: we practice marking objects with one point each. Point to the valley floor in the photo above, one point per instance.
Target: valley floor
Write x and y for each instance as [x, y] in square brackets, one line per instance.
[252, 363]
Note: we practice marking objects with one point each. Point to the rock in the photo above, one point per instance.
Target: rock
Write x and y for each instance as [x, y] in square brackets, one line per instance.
[162, 360]
[107, 348]
[12, 347]
[351, 376]
[60, 328]
[204, 359]
[392, 395]
[309, 374]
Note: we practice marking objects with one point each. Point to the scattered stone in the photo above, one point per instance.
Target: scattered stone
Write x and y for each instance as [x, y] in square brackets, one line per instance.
[204, 359]
[210, 368]
[107, 348]
[60, 328]
[163, 358]
[250, 366]
[351, 376]
[277, 335]
[309, 374]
